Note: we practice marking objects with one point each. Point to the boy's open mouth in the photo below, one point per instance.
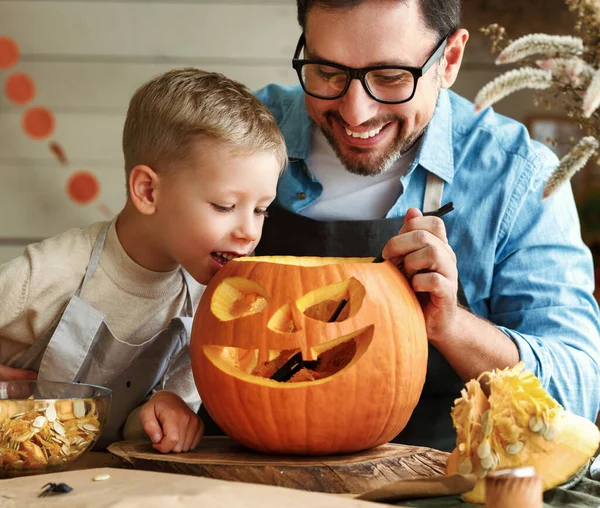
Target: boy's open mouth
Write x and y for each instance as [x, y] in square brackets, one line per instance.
[223, 257]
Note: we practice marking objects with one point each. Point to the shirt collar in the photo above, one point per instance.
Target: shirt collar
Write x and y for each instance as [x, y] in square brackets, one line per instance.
[296, 128]
[436, 154]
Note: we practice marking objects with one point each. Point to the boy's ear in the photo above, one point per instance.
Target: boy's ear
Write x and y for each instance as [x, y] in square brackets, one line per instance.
[143, 189]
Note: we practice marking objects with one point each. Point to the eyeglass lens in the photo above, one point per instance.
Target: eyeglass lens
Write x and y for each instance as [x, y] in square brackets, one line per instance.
[385, 84]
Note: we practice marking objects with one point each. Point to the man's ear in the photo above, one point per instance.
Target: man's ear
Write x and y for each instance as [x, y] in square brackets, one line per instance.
[143, 189]
[453, 56]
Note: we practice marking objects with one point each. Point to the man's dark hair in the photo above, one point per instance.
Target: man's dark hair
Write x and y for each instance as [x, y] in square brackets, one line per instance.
[442, 16]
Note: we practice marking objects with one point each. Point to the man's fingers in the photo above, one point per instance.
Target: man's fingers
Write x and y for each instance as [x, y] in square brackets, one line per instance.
[433, 224]
[401, 245]
[412, 213]
[435, 284]
[434, 257]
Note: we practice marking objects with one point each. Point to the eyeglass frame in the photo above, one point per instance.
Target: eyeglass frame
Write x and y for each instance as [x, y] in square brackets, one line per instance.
[360, 74]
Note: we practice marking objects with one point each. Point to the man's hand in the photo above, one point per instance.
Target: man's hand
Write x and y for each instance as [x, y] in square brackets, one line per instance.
[170, 423]
[10, 374]
[422, 252]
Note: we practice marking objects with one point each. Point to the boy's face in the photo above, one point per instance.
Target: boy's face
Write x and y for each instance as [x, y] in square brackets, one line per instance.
[215, 208]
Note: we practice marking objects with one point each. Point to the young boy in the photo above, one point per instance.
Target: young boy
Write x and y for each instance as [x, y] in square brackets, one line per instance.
[112, 304]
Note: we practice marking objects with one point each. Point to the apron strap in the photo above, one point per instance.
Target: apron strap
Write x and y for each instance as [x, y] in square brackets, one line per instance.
[78, 352]
[95, 257]
[190, 305]
[434, 188]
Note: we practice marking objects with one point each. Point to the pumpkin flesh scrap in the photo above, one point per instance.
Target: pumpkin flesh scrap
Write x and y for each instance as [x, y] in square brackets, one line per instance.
[519, 424]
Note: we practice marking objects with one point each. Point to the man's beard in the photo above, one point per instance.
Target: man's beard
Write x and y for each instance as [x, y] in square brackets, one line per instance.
[371, 164]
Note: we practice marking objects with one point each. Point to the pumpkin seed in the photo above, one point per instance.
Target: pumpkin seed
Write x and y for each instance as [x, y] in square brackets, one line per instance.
[488, 461]
[549, 432]
[51, 413]
[39, 422]
[462, 447]
[514, 448]
[91, 428]
[465, 466]
[481, 471]
[79, 408]
[484, 450]
[101, 477]
[58, 427]
[18, 464]
[54, 460]
[536, 424]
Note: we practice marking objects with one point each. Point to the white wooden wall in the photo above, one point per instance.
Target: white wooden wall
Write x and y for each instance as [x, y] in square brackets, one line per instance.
[86, 57]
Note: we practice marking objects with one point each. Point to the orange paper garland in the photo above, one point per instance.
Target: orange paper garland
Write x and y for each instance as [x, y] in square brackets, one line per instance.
[39, 123]
[19, 88]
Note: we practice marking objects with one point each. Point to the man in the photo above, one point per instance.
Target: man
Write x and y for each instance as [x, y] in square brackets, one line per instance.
[374, 134]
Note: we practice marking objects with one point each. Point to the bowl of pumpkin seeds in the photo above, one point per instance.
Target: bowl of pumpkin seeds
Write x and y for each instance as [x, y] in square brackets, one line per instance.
[45, 426]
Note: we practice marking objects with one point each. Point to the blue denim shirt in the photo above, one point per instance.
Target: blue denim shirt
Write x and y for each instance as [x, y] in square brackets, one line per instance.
[521, 260]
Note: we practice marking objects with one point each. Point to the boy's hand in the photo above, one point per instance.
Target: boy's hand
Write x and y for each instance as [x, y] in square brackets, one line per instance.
[11, 374]
[170, 423]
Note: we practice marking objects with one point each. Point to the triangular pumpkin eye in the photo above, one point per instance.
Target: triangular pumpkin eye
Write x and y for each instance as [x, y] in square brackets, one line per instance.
[237, 297]
[320, 304]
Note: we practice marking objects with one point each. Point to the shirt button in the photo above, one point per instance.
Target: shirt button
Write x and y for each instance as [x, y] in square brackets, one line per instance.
[301, 195]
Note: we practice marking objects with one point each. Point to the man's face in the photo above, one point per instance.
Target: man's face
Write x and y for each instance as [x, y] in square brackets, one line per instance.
[370, 34]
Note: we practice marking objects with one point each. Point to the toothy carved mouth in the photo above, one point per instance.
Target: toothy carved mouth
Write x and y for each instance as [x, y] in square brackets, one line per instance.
[333, 357]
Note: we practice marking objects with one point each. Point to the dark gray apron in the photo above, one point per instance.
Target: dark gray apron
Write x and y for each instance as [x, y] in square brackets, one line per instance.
[287, 233]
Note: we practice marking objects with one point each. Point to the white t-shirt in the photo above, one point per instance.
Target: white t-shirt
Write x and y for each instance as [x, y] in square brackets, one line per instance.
[347, 196]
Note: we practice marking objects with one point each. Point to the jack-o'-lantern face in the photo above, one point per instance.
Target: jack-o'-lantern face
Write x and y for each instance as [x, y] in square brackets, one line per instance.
[363, 371]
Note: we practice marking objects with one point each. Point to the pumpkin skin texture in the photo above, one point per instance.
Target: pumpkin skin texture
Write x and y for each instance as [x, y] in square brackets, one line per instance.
[520, 424]
[374, 356]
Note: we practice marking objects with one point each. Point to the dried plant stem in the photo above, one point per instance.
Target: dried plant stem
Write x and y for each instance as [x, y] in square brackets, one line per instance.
[568, 70]
[570, 164]
[541, 44]
[591, 100]
[510, 82]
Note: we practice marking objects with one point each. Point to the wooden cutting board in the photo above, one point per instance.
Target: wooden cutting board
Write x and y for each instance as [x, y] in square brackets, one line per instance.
[223, 459]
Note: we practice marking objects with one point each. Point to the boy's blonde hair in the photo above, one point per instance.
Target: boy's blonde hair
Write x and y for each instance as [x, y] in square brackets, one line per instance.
[168, 112]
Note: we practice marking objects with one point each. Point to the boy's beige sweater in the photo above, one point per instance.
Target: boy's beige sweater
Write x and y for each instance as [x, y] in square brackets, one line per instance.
[138, 303]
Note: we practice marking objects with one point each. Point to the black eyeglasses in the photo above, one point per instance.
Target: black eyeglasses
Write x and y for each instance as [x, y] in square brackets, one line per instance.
[389, 84]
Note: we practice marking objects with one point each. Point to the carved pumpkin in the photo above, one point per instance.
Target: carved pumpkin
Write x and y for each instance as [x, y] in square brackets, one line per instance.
[520, 424]
[370, 363]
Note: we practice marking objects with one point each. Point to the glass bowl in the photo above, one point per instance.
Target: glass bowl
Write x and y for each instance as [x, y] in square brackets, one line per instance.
[47, 425]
